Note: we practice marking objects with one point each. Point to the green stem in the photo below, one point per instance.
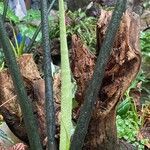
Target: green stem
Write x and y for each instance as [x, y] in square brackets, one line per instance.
[94, 86]
[50, 110]
[26, 107]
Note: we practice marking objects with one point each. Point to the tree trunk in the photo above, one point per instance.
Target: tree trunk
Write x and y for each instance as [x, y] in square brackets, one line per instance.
[122, 68]
[103, 133]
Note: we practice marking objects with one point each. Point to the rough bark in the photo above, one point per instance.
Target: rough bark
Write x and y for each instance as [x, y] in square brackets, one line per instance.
[103, 135]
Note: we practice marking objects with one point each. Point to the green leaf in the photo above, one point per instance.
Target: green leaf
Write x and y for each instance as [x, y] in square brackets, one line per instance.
[32, 15]
[124, 107]
[28, 31]
[10, 14]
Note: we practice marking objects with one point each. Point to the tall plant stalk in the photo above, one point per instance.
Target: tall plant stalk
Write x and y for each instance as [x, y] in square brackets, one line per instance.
[29, 47]
[94, 86]
[26, 107]
[66, 92]
[50, 111]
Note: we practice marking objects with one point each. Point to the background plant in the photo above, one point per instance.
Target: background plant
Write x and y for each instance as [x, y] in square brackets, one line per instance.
[10, 14]
[30, 23]
[129, 121]
[145, 47]
[79, 23]
[146, 4]
[145, 44]
[18, 45]
[84, 26]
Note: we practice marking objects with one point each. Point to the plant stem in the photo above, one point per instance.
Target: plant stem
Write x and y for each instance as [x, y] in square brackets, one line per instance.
[26, 107]
[28, 48]
[95, 83]
[66, 85]
[50, 110]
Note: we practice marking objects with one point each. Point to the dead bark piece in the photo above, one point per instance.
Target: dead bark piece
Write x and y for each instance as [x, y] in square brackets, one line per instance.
[124, 62]
[122, 67]
[10, 108]
[82, 66]
[29, 71]
[38, 102]
[39, 105]
[35, 87]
